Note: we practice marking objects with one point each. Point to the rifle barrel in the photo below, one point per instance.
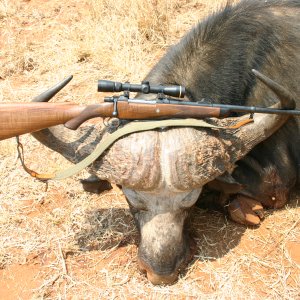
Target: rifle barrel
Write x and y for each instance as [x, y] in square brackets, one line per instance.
[229, 107]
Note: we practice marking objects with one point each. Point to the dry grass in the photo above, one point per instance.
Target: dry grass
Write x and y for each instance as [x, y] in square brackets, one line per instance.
[64, 243]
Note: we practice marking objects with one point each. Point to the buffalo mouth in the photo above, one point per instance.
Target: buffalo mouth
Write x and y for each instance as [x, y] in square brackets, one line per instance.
[154, 277]
[168, 274]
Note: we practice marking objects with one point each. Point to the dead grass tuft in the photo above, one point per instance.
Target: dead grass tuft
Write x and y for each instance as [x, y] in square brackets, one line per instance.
[65, 243]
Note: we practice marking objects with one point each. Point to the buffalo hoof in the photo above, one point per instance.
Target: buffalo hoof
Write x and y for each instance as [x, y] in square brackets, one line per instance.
[95, 185]
[245, 210]
[162, 279]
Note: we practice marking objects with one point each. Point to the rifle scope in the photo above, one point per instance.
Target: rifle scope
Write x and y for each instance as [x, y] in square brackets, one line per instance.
[144, 87]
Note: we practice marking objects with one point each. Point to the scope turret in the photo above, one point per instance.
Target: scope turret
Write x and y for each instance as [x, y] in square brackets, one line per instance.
[145, 87]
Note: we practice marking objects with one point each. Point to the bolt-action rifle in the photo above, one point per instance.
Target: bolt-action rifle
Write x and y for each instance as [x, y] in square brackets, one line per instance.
[20, 118]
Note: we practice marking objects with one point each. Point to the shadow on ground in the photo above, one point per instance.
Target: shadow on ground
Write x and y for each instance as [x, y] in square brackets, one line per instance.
[108, 228]
[214, 234]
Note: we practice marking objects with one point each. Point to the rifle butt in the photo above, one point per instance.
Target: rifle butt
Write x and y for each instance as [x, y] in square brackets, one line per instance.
[20, 118]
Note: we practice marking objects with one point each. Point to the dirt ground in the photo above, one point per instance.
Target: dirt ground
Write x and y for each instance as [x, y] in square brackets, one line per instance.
[63, 243]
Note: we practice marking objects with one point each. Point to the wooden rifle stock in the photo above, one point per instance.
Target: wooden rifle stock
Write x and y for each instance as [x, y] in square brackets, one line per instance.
[21, 118]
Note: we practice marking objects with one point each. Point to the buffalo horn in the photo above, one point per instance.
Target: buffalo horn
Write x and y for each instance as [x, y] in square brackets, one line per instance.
[266, 124]
[286, 98]
[47, 95]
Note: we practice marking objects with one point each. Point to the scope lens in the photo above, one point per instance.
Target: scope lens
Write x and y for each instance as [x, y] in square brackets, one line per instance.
[175, 91]
[109, 86]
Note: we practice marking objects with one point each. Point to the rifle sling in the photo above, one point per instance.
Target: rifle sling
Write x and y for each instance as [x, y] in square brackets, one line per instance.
[136, 126]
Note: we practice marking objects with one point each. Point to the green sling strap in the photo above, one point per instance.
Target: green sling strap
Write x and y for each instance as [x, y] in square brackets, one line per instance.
[136, 126]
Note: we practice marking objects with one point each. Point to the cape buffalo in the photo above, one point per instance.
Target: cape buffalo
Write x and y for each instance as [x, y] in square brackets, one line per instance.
[162, 172]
